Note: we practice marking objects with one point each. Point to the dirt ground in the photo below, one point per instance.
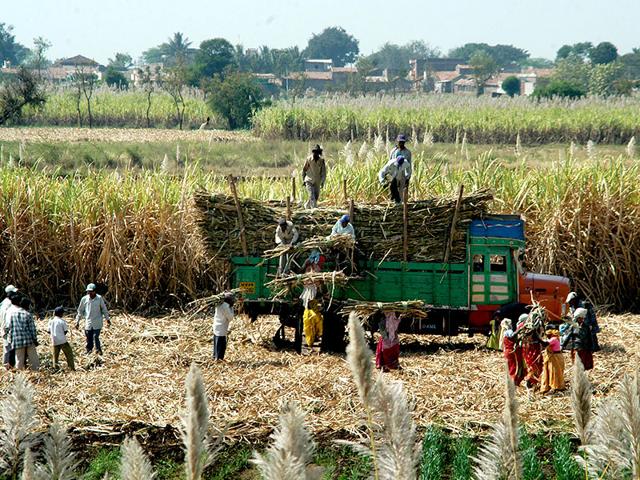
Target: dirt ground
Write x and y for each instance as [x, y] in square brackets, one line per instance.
[452, 381]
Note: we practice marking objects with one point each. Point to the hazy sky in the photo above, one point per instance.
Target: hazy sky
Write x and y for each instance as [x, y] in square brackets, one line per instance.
[97, 29]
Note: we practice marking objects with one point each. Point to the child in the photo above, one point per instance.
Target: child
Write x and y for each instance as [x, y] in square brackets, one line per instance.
[58, 330]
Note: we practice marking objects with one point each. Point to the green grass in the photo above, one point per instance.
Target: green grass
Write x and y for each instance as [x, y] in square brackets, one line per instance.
[342, 463]
[564, 463]
[463, 450]
[106, 461]
[232, 462]
[531, 463]
[434, 454]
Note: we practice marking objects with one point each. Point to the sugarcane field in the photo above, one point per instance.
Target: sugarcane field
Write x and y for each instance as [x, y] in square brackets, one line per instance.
[359, 256]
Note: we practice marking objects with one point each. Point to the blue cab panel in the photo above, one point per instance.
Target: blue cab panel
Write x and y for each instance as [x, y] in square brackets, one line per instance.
[498, 226]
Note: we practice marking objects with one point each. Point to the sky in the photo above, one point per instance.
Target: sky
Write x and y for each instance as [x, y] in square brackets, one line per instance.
[98, 29]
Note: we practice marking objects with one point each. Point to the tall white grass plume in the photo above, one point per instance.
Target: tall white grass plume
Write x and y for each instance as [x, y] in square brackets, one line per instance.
[1, 154]
[347, 153]
[631, 148]
[427, 140]
[18, 414]
[290, 454]
[28, 466]
[195, 425]
[21, 149]
[573, 149]
[166, 164]
[414, 136]
[369, 134]
[591, 150]
[499, 457]
[581, 402]
[134, 464]
[10, 163]
[457, 142]
[518, 145]
[371, 158]
[630, 409]
[464, 150]
[607, 451]
[177, 154]
[359, 360]
[397, 453]
[60, 462]
[362, 152]
[378, 144]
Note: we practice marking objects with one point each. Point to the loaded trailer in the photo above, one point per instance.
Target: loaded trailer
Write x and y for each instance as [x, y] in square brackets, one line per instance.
[461, 296]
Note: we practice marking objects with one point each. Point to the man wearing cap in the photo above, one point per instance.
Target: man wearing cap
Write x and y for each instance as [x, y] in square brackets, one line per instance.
[343, 227]
[314, 174]
[579, 340]
[21, 333]
[221, 320]
[591, 321]
[8, 353]
[396, 174]
[94, 310]
[401, 149]
[286, 234]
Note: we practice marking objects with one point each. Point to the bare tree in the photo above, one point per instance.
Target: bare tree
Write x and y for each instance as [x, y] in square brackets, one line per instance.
[174, 81]
[148, 79]
[19, 92]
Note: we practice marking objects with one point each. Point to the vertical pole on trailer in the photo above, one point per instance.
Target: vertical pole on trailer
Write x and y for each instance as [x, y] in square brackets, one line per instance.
[234, 192]
[405, 225]
[452, 230]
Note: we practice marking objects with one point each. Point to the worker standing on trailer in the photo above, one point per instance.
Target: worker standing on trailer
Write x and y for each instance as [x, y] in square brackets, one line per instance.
[314, 174]
[286, 234]
[396, 174]
[221, 320]
[400, 149]
[343, 227]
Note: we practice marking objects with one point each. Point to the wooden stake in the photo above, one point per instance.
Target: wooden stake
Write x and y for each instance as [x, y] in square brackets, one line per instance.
[234, 192]
[351, 209]
[405, 226]
[288, 208]
[293, 189]
[344, 190]
[452, 230]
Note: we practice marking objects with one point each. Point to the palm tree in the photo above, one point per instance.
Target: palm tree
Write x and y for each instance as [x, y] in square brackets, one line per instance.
[176, 48]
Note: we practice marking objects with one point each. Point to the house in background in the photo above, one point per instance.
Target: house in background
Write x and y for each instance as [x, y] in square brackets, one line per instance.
[66, 67]
[530, 77]
[318, 65]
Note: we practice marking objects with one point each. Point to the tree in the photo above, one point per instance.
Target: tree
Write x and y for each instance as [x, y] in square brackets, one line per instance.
[577, 50]
[85, 83]
[236, 97]
[573, 70]
[115, 78]
[504, 55]
[559, 88]
[121, 61]
[37, 59]
[10, 50]
[604, 77]
[484, 67]
[22, 90]
[538, 62]
[396, 57]
[511, 86]
[334, 43]
[603, 53]
[213, 58]
[631, 64]
[148, 83]
[171, 52]
[174, 81]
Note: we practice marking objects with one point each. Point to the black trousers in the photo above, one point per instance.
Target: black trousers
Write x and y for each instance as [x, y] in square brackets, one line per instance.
[396, 193]
[219, 347]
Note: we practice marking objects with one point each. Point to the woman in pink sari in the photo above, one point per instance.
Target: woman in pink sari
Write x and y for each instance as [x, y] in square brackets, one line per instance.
[388, 350]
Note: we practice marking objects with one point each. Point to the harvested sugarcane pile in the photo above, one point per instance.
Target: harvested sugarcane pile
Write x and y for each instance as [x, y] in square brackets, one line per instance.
[207, 304]
[342, 243]
[378, 227]
[282, 286]
[407, 309]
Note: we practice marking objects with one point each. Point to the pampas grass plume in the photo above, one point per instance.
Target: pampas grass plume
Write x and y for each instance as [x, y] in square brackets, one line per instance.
[359, 360]
[195, 425]
[60, 461]
[581, 402]
[134, 464]
[28, 468]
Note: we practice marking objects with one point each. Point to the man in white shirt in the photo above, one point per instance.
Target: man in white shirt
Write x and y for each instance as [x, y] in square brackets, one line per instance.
[221, 320]
[93, 309]
[58, 330]
[396, 173]
[286, 234]
[8, 353]
[343, 227]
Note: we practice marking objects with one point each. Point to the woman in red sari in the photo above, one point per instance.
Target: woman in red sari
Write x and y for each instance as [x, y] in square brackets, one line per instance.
[531, 349]
[512, 351]
[388, 350]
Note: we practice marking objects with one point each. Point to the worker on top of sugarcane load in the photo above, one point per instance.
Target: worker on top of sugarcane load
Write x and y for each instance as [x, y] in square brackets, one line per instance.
[343, 227]
[286, 234]
[574, 302]
[314, 174]
[400, 149]
[396, 174]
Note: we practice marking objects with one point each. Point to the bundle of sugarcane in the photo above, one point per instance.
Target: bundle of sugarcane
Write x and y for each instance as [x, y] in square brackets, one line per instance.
[364, 310]
[206, 304]
[378, 228]
[342, 243]
[282, 286]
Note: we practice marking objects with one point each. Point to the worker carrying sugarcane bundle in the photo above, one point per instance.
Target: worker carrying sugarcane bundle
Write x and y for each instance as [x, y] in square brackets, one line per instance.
[314, 174]
[286, 234]
[396, 174]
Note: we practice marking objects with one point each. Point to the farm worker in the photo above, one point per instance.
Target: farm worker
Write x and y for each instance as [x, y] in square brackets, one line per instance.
[552, 364]
[396, 173]
[8, 354]
[531, 347]
[493, 342]
[579, 339]
[58, 330]
[94, 311]
[312, 321]
[343, 227]
[574, 303]
[221, 320]
[313, 264]
[510, 310]
[400, 149]
[286, 234]
[21, 333]
[512, 351]
[314, 174]
[388, 349]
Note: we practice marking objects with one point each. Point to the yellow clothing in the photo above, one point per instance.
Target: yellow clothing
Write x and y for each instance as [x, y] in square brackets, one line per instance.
[552, 371]
[494, 340]
[312, 322]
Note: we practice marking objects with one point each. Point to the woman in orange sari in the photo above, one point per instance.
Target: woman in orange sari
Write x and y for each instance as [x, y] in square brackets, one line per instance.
[552, 365]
